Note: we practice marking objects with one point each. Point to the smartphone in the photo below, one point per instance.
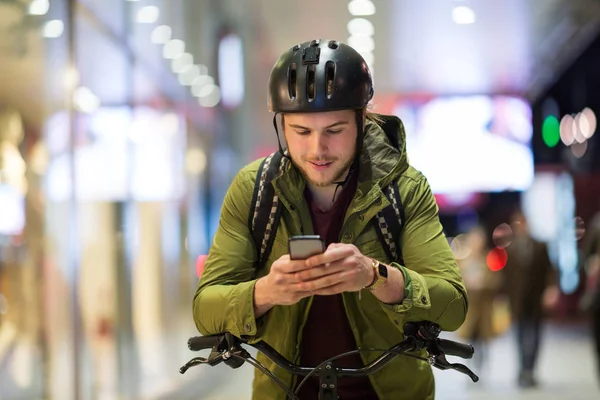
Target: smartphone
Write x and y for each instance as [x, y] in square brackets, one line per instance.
[302, 247]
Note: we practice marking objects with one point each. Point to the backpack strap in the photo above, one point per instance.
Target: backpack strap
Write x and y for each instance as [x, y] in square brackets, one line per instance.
[390, 222]
[266, 214]
[264, 218]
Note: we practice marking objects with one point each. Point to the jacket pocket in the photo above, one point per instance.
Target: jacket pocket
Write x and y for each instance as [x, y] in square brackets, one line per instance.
[374, 249]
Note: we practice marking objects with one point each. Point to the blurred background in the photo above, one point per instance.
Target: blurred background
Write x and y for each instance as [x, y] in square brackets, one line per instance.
[122, 124]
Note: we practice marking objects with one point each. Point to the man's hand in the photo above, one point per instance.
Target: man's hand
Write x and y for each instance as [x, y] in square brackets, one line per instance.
[281, 286]
[341, 268]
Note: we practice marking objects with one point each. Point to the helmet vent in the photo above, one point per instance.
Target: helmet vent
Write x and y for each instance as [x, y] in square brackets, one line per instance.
[329, 78]
[292, 81]
[310, 82]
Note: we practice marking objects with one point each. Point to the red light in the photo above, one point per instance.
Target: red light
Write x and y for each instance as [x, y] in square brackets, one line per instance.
[200, 265]
[497, 258]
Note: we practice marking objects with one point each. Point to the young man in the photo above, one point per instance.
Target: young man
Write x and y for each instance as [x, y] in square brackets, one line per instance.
[353, 295]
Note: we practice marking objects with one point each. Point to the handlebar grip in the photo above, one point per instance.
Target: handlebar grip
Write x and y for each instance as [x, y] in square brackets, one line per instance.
[452, 348]
[197, 343]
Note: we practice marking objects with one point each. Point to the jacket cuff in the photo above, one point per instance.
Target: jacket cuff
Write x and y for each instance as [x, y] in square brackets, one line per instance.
[243, 304]
[416, 292]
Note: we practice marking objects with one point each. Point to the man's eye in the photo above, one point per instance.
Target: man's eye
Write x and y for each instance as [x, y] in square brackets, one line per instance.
[302, 132]
[334, 131]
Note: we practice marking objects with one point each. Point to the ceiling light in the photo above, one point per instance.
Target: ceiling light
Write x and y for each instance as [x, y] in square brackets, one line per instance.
[210, 97]
[200, 82]
[188, 75]
[147, 15]
[360, 27]
[39, 7]
[463, 15]
[182, 62]
[53, 28]
[161, 34]
[361, 7]
[173, 48]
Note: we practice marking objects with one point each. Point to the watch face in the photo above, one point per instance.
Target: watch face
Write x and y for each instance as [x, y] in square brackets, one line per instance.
[383, 272]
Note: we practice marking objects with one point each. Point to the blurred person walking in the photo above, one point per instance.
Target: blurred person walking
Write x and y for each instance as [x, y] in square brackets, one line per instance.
[529, 278]
[482, 286]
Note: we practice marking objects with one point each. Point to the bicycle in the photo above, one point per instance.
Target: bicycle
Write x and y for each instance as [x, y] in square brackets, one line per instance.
[417, 336]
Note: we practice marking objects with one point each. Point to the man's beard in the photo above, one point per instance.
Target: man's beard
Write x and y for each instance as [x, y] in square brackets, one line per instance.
[336, 178]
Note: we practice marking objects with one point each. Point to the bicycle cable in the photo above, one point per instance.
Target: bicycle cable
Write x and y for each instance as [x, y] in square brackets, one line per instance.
[386, 351]
[258, 365]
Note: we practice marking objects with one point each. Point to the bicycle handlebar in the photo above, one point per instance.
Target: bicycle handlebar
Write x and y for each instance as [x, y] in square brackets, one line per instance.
[452, 348]
[198, 343]
[422, 335]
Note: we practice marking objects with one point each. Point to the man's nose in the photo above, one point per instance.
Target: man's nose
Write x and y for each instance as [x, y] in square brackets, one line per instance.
[319, 143]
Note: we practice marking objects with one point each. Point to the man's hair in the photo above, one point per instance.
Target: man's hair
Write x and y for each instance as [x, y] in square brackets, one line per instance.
[373, 117]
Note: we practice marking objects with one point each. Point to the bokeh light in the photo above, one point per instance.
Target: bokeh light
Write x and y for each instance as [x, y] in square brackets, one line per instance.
[579, 149]
[460, 247]
[566, 130]
[577, 132]
[173, 49]
[587, 122]
[53, 29]
[551, 131]
[502, 235]
[497, 258]
[161, 34]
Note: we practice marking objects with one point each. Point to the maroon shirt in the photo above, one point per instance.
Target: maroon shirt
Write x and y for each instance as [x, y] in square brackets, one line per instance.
[327, 332]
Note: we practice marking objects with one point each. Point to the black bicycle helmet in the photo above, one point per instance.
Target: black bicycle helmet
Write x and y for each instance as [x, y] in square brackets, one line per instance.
[320, 75]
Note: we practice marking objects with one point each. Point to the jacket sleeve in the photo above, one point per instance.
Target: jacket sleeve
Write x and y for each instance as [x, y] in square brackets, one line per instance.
[224, 300]
[435, 291]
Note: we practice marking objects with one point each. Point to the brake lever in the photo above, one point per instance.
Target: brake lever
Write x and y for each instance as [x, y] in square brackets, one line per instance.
[192, 363]
[440, 362]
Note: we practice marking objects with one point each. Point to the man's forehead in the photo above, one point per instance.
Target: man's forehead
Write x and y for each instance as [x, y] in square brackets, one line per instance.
[319, 118]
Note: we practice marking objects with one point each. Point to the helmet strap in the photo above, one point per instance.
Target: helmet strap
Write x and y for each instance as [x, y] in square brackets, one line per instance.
[360, 134]
[341, 184]
[281, 151]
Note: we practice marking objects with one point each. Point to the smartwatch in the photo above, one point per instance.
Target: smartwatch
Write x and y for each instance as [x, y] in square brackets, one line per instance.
[381, 275]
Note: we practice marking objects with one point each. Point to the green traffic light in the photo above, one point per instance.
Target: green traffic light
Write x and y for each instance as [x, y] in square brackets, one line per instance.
[551, 131]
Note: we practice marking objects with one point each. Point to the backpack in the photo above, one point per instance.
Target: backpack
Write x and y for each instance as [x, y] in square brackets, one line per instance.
[264, 218]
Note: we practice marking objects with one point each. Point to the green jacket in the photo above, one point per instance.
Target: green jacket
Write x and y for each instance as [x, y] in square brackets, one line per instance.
[435, 289]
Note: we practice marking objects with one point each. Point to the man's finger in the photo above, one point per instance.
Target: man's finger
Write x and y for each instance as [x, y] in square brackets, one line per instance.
[322, 282]
[334, 245]
[330, 290]
[318, 271]
[330, 256]
[293, 266]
